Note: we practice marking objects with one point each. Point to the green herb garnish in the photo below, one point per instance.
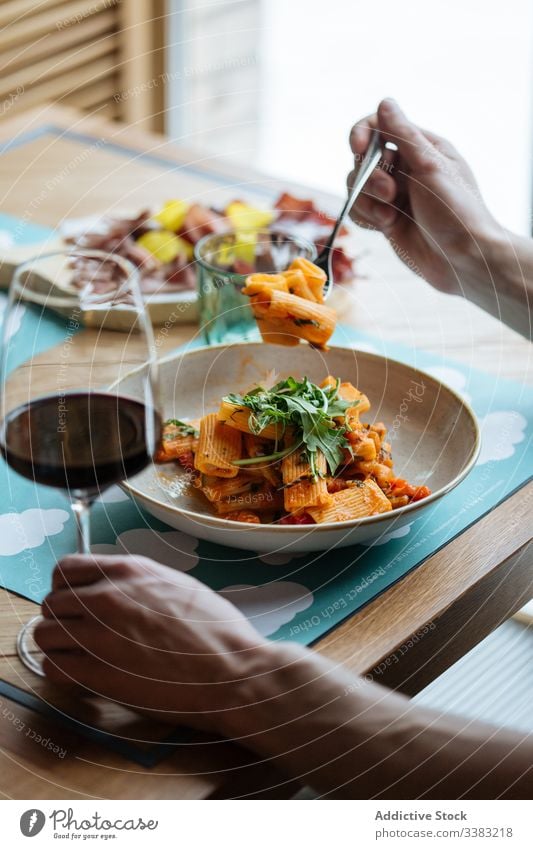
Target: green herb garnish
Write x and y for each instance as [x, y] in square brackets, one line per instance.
[182, 428]
[303, 322]
[308, 410]
[254, 461]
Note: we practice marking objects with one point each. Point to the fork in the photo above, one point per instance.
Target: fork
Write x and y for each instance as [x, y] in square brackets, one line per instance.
[371, 158]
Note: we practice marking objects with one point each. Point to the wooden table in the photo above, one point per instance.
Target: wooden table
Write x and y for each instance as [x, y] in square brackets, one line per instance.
[56, 164]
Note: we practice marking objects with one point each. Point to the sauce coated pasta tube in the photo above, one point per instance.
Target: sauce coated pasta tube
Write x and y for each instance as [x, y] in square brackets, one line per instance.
[362, 499]
[306, 319]
[218, 446]
[300, 490]
[290, 307]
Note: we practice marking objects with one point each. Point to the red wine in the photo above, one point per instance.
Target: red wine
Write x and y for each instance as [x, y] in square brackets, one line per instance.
[80, 441]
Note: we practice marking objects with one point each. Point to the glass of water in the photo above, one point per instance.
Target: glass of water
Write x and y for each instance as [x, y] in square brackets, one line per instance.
[223, 262]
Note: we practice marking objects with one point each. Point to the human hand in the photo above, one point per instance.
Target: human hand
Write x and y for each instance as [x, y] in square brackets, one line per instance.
[424, 199]
[155, 639]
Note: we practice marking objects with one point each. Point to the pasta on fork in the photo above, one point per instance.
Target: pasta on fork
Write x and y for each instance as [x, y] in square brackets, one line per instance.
[289, 306]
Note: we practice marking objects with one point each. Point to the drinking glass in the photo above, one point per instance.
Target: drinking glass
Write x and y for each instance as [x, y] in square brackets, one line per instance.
[74, 325]
[223, 262]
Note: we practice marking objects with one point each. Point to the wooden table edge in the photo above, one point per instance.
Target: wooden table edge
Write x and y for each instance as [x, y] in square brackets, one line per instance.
[448, 585]
[453, 575]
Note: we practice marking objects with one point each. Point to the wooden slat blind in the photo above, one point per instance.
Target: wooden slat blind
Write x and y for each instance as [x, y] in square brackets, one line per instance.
[55, 42]
[84, 54]
[16, 10]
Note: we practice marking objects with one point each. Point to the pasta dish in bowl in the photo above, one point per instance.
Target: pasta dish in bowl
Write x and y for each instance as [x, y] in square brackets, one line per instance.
[261, 457]
[296, 454]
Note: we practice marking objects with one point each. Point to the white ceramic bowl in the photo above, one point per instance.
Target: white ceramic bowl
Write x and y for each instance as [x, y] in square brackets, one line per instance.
[434, 435]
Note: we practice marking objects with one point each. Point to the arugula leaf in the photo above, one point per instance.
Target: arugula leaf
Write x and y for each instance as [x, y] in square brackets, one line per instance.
[303, 322]
[183, 428]
[253, 461]
[309, 410]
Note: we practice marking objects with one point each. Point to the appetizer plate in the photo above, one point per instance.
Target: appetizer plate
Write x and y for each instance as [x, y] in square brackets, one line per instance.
[178, 307]
[434, 436]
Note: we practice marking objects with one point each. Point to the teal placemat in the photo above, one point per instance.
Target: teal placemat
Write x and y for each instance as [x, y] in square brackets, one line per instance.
[21, 231]
[287, 597]
[300, 597]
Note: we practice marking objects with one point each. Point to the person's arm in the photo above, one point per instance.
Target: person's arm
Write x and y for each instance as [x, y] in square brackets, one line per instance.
[164, 644]
[501, 280]
[426, 202]
[347, 737]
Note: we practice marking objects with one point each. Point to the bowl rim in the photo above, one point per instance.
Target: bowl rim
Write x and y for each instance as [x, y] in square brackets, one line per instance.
[296, 530]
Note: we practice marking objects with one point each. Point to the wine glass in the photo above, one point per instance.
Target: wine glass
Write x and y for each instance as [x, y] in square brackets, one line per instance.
[74, 326]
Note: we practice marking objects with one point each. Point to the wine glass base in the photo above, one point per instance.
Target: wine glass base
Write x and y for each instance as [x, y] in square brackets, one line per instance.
[28, 651]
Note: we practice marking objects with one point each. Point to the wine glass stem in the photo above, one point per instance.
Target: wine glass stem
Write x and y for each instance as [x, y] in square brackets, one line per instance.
[81, 509]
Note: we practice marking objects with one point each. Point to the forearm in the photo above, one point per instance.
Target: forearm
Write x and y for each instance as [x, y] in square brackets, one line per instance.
[348, 737]
[498, 277]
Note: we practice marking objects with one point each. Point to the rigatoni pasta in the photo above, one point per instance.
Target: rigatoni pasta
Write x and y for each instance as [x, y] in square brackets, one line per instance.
[178, 439]
[303, 486]
[218, 447]
[297, 453]
[238, 417]
[361, 498]
[289, 307]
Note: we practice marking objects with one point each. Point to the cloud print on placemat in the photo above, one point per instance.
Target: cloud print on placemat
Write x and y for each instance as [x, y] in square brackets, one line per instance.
[169, 547]
[501, 431]
[29, 529]
[15, 317]
[270, 606]
[6, 240]
[397, 534]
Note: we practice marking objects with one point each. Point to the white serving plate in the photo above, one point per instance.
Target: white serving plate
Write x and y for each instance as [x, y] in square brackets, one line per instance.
[435, 442]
